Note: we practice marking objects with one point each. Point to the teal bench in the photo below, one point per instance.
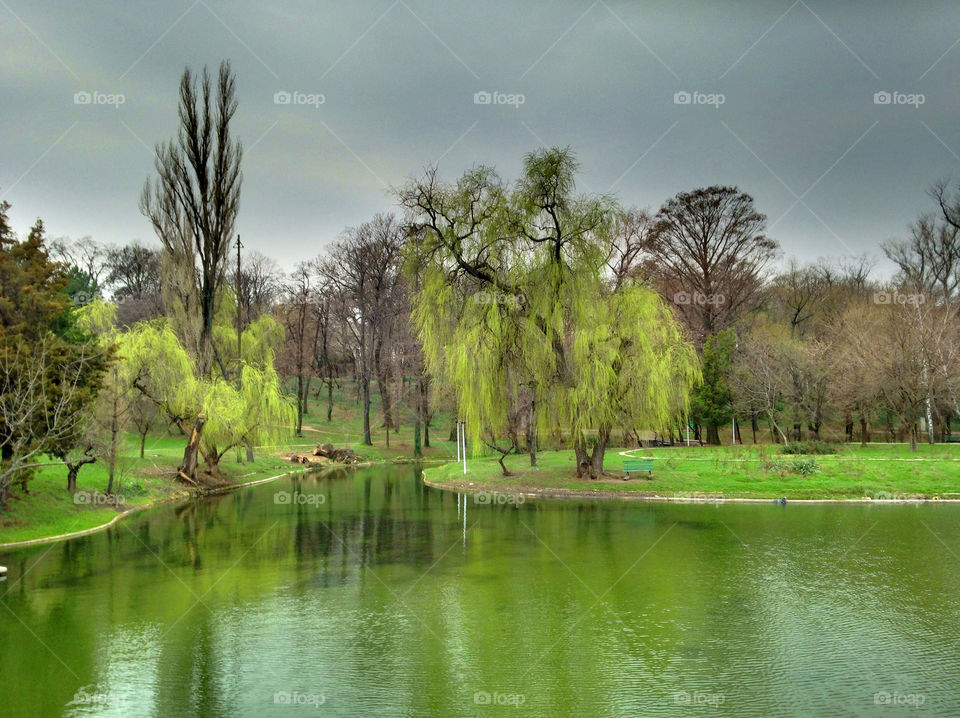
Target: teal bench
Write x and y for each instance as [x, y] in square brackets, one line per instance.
[644, 464]
[953, 438]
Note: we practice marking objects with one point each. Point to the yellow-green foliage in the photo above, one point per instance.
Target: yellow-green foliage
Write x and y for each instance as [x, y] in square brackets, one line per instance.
[255, 413]
[544, 320]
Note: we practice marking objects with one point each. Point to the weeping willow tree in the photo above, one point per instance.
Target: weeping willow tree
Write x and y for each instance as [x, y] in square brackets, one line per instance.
[215, 414]
[513, 297]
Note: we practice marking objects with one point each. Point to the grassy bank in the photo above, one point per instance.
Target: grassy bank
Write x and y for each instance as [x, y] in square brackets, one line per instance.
[49, 510]
[875, 471]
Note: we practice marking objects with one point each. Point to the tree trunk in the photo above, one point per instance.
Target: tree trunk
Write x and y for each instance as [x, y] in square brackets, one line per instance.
[532, 433]
[330, 397]
[299, 430]
[599, 449]
[143, 443]
[189, 466]
[913, 436]
[425, 409]
[306, 394]
[583, 460]
[863, 430]
[753, 428]
[365, 393]
[713, 434]
[383, 386]
[72, 471]
[250, 456]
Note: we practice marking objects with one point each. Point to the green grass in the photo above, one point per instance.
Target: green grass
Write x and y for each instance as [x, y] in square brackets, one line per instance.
[875, 471]
[49, 510]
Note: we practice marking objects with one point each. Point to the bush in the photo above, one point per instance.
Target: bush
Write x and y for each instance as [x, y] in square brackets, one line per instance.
[804, 467]
[808, 447]
[131, 488]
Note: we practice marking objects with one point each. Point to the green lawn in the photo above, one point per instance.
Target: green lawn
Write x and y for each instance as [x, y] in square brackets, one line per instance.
[49, 510]
[876, 471]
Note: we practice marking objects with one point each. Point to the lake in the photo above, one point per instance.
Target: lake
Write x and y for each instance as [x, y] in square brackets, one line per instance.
[366, 593]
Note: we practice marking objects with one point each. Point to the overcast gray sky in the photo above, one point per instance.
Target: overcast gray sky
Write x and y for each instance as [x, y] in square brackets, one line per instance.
[799, 127]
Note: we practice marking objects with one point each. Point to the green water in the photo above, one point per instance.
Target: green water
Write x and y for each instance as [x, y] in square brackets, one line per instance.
[381, 601]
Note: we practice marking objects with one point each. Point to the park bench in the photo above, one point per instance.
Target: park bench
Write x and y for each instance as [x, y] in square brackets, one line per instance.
[641, 464]
[952, 438]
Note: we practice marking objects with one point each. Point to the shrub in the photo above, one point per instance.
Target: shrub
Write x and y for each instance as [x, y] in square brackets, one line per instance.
[805, 467]
[808, 447]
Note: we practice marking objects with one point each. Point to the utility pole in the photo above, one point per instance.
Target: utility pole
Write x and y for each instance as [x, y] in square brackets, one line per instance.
[239, 305]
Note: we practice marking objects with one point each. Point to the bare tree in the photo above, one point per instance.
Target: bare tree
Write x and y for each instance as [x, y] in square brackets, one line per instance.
[194, 200]
[929, 261]
[42, 391]
[709, 253]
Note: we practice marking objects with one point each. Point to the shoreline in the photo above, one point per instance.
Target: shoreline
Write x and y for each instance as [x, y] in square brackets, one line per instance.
[533, 492]
[185, 494]
[182, 494]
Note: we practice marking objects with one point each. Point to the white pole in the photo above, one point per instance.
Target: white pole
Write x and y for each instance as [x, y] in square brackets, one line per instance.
[458, 498]
[458, 442]
[464, 447]
[688, 432]
[464, 519]
[733, 430]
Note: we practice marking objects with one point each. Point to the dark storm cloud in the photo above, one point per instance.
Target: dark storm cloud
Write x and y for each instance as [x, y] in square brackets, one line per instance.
[781, 102]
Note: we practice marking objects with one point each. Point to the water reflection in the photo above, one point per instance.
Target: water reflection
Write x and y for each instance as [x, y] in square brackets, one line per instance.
[393, 599]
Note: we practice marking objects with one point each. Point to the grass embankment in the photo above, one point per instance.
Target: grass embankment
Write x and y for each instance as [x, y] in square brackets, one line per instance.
[877, 471]
[49, 510]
